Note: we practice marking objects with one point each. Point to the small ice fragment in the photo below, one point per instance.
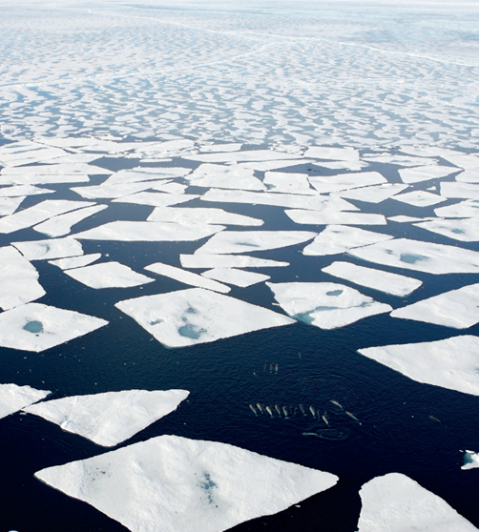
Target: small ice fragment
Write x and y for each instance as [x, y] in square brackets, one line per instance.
[373, 194]
[14, 398]
[108, 275]
[201, 216]
[156, 199]
[75, 262]
[419, 198]
[228, 261]
[406, 219]
[230, 177]
[328, 217]
[288, 183]
[335, 154]
[470, 460]
[424, 173]
[236, 277]
[62, 224]
[53, 248]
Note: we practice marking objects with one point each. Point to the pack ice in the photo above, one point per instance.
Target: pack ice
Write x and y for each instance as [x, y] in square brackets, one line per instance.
[108, 275]
[14, 398]
[396, 503]
[180, 485]
[112, 417]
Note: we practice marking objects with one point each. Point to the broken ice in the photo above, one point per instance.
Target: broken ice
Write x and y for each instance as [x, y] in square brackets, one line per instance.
[13, 398]
[108, 275]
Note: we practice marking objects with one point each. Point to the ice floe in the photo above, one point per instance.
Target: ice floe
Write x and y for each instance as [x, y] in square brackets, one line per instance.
[420, 256]
[408, 219]
[238, 156]
[470, 460]
[53, 248]
[335, 154]
[13, 398]
[108, 275]
[112, 417]
[334, 183]
[23, 190]
[18, 279]
[185, 277]
[139, 174]
[10, 205]
[75, 262]
[131, 231]
[231, 177]
[36, 327]
[456, 308]
[374, 194]
[288, 183]
[396, 503]
[390, 283]
[156, 199]
[195, 316]
[201, 216]
[236, 277]
[454, 189]
[451, 363]
[325, 305]
[41, 175]
[62, 224]
[183, 485]
[424, 173]
[419, 198]
[114, 190]
[247, 241]
[228, 261]
[465, 229]
[336, 239]
[27, 152]
[467, 176]
[331, 216]
[463, 209]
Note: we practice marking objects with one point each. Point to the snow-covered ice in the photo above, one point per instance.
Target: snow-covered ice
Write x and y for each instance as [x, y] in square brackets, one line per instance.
[195, 316]
[62, 224]
[108, 275]
[227, 261]
[451, 363]
[36, 327]
[464, 230]
[54, 248]
[235, 276]
[23, 190]
[13, 398]
[424, 173]
[464, 209]
[156, 199]
[335, 154]
[332, 216]
[27, 152]
[374, 194]
[112, 417]
[338, 182]
[75, 262]
[454, 189]
[239, 156]
[419, 198]
[183, 485]
[230, 177]
[201, 216]
[10, 205]
[288, 183]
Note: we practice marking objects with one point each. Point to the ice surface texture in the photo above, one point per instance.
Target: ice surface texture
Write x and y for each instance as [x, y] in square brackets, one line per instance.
[14, 398]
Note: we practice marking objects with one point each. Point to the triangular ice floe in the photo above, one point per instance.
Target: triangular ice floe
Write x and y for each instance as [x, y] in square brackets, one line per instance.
[14, 398]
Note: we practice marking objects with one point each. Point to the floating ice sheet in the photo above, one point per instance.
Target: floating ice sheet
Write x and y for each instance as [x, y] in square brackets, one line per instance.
[325, 305]
[75, 262]
[185, 277]
[237, 156]
[201, 216]
[420, 256]
[390, 283]
[156, 199]
[231, 177]
[336, 154]
[135, 175]
[329, 217]
[18, 279]
[236, 277]
[114, 190]
[288, 183]
[216, 148]
[195, 316]
[53, 248]
[112, 417]
[468, 176]
[463, 209]
[456, 308]
[333, 183]
[247, 241]
[400, 160]
[62, 224]
[336, 239]
[108, 275]
[14, 398]
[424, 173]
[41, 175]
[36, 327]
[451, 363]
[342, 165]
[181, 485]
[128, 231]
[227, 261]
[470, 460]
[27, 152]
[465, 229]
[407, 219]
[419, 198]
[374, 194]
[396, 503]
[22, 190]
[454, 189]
[10, 205]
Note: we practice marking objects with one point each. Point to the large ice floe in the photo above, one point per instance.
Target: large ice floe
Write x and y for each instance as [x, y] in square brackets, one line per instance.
[181, 485]
[396, 503]
[424, 173]
[36, 327]
[108, 275]
[450, 363]
[201, 216]
[456, 308]
[421, 256]
[218, 176]
[195, 316]
[464, 230]
[112, 417]
[54, 248]
[288, 183]
[419, 198]
[325, 305]
[333, 183]
[390, 283]
[373, 194]
[13, 398]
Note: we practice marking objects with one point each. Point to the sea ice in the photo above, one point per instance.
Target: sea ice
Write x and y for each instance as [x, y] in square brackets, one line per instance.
[227, 261]
[112, 417]
[36, 327]
[156, 199]
[336, 239]
[374, 194]
[185, 277]
[18, 279]
[237, 156]
[170, 187]
[419, 198]
[23, 190]
[396, 503]
[201, 216]
[465, 229]
[467, 176]
[463, 209]
[328, 217]
[10, 205]
[54, 248]
[195, 316]
[216, 148]
[27, 152]
[424, 173]
[470, 460]
[454, 189]
[334, 183]
[236, 277]
[62, 224]
[231, 177]
[421, 256]
[13, 398]
[288, 183]
[133, 231]
[390, 283]
[139, 174]
[456, 308]
[114, 190]
[75, 262]
[108, 275]
[40, 175]
[325, 305]
[335, 154]
[407, 219]
[180, 485]
[451, 363]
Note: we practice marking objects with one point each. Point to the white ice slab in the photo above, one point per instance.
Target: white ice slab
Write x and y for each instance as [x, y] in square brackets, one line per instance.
[352, 180]
[13, 398]
[108, 275]
[470, 460]
[462, 160]
[217, 148]
[230, 177]
[237, 156]
[396, 503]
[195, 316]
[201, 216]
[10, 205]
[424, 173]
[419, 198]
[374, 194]
[336, 154]
[185, 277]
[135, 175]
[354, 166]
[236, 277]
[53, 248]
[75, 262]
[456, 308]
[36, 327]
[62, 224]
[171, 187]
[22, 190]
[420, 256]
[265, 166]
[228, 261]
[288, 183]
[27, 152]
[40, 175]
[464, 230]
[402, 219]
[468, 176]
[454, 189]
[38, 213]
[112, 417]
[400, 160]
[18, 279]
[325, 305]
[156, 199]
[336, 239]
[329, 217]
[451, 363]
[176, 484]
[228, 242]
[115, 190]
[390, 283]
[463, 209]
[128, 231]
